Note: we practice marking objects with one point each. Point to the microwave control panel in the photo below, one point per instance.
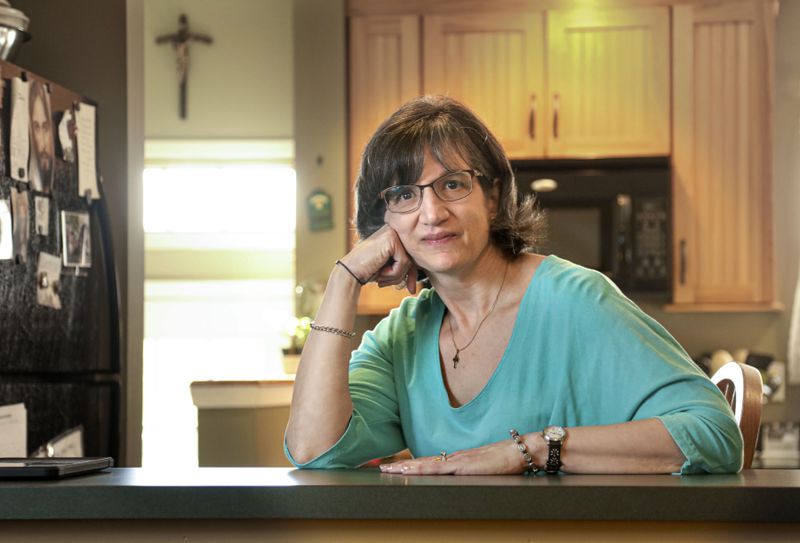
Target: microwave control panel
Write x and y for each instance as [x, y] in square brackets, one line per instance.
[650, 228]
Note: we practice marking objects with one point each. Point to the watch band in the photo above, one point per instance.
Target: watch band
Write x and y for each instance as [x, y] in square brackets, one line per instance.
[553, 465]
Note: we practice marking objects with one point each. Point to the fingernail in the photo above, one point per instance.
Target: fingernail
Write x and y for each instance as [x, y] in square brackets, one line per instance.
[385, 467]
[404, 468]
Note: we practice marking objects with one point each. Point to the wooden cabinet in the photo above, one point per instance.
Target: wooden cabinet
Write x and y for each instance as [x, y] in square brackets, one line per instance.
[608, 82]
[597, 86]
[494, 63]
[722, 158]
[384, 73]
[571, 80]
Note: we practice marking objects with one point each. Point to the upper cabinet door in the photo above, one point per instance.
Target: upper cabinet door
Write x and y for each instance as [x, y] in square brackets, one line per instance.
[384, 73]
[608, 79]
[722, 160]
[494, 63]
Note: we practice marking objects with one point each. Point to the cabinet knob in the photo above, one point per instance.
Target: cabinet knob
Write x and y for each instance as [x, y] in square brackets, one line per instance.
[556, 104]
[682, 262]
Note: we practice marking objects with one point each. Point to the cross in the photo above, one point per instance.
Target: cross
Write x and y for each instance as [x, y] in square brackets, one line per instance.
[180, 42]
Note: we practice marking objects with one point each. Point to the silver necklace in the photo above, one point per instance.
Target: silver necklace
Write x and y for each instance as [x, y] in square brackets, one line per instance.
[458, 349]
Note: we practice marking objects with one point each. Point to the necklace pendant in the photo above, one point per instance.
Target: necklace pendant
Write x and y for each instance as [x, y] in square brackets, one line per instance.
[456, 360]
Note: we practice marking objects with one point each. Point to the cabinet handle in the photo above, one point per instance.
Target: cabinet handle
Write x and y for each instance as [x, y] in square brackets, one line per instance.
[556, 104]
[532, 118]
[682, 271]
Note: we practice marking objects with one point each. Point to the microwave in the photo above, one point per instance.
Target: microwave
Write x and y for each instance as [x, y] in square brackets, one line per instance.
[611, 215]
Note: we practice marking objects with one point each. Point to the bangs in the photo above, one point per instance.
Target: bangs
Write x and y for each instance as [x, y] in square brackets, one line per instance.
[447, 142]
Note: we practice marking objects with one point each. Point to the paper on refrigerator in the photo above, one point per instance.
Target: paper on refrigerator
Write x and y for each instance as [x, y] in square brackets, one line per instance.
[19, 143]
[87, 162]
[13, 431]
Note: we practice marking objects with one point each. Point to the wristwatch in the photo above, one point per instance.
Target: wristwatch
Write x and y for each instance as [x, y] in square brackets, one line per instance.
[554, 436]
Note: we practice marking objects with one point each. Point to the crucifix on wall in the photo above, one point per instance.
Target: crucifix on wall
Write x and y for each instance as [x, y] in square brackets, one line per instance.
[180, 42]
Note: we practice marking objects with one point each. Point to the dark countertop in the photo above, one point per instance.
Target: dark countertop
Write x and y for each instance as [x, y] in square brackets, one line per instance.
[280, 493]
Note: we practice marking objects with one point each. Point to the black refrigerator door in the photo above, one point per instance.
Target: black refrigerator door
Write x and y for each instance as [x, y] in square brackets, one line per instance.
[53, 408]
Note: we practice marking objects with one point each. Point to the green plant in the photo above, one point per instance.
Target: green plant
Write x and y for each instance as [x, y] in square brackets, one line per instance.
[296, 333]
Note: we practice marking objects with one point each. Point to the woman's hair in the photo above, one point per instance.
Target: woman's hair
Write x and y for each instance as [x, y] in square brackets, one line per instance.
[449, 131]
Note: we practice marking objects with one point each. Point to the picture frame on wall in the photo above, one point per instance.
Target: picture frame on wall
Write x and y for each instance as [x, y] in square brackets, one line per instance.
[76, 240]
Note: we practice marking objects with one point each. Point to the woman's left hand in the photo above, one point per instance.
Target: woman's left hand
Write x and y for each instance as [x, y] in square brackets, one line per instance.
[501, 458]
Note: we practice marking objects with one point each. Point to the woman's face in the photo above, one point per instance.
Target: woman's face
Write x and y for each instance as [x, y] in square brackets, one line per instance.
[445, 237]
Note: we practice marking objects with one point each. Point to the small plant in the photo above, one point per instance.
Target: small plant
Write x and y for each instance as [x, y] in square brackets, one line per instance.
[296, 333]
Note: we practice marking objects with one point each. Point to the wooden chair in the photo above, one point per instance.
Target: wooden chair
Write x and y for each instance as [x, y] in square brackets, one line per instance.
[742, 386]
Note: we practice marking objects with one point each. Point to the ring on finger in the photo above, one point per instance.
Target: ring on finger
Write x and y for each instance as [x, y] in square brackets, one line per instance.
[441, 458]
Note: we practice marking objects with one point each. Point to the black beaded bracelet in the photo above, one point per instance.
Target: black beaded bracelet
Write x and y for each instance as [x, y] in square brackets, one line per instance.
[530, 468]
[360, 281]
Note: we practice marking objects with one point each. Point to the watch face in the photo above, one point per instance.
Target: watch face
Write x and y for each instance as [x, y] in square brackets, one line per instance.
[555, 433]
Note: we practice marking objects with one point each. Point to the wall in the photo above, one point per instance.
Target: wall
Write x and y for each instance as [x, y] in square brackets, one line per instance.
[238, 87]
[65, 48]
[320, 130]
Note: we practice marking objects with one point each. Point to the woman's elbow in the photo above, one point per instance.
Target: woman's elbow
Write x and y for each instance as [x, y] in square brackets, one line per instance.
[299, 451]
[728, 455]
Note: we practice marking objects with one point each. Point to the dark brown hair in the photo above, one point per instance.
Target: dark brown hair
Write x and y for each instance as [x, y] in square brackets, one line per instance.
[448, 129]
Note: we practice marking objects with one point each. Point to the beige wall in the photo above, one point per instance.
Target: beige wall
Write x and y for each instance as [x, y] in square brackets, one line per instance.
[238, 87]
[320, 130]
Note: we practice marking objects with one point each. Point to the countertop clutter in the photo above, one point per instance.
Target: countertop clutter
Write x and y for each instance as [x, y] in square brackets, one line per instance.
[288, 494]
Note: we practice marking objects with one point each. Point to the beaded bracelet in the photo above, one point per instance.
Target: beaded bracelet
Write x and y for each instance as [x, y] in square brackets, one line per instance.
[530, 468]
[358, 279]
[332, 330]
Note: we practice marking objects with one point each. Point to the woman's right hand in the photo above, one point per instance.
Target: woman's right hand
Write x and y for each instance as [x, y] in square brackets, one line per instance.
[383, 259]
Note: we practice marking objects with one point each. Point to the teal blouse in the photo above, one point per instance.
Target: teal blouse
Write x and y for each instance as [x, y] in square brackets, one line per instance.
[580, 354]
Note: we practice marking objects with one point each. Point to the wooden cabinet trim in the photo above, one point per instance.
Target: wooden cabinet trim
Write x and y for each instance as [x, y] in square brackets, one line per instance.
[424, 7]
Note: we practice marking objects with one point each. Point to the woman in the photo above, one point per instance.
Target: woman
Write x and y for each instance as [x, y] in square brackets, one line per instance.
[504, 339]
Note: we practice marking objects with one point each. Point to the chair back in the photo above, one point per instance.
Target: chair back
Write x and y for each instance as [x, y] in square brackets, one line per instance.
[742, 387]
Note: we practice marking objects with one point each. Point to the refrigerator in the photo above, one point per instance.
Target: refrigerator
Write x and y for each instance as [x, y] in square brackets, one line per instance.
[63, 363]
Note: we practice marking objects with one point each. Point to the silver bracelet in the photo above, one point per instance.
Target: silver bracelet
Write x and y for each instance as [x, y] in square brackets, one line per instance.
[332, 330]
[530, 468]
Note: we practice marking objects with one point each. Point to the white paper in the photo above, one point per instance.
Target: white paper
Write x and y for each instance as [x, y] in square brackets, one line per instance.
[20, 212]
[42, 207]
[19, 144]
[68, 444]
[6, 232]
[67, 150]
[13, 431]
[87, 165]
[46, 292]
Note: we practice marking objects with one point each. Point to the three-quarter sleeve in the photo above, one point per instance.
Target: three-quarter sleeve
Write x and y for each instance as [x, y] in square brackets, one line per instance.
[642, 372]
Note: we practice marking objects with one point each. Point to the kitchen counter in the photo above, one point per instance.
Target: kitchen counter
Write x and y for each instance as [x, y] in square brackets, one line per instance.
[278, 493]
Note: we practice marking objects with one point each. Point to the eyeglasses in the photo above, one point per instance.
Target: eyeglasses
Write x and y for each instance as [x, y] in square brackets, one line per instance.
[450, 187]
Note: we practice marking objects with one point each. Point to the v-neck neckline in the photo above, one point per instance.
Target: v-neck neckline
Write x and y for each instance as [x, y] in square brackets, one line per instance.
[438, 319]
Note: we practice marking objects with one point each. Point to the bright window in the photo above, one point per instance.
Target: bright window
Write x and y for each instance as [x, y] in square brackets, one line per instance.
[229, 199]
[219, 286]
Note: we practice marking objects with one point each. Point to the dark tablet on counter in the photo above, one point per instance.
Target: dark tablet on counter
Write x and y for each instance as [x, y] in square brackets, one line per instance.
[51, 468]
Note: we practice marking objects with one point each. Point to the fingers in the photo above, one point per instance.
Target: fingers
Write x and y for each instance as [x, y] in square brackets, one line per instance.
[381, 258]
[431, 465]
[411, 278]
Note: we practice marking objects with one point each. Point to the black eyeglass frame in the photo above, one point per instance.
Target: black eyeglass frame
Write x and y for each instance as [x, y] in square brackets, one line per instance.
[472, 171]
